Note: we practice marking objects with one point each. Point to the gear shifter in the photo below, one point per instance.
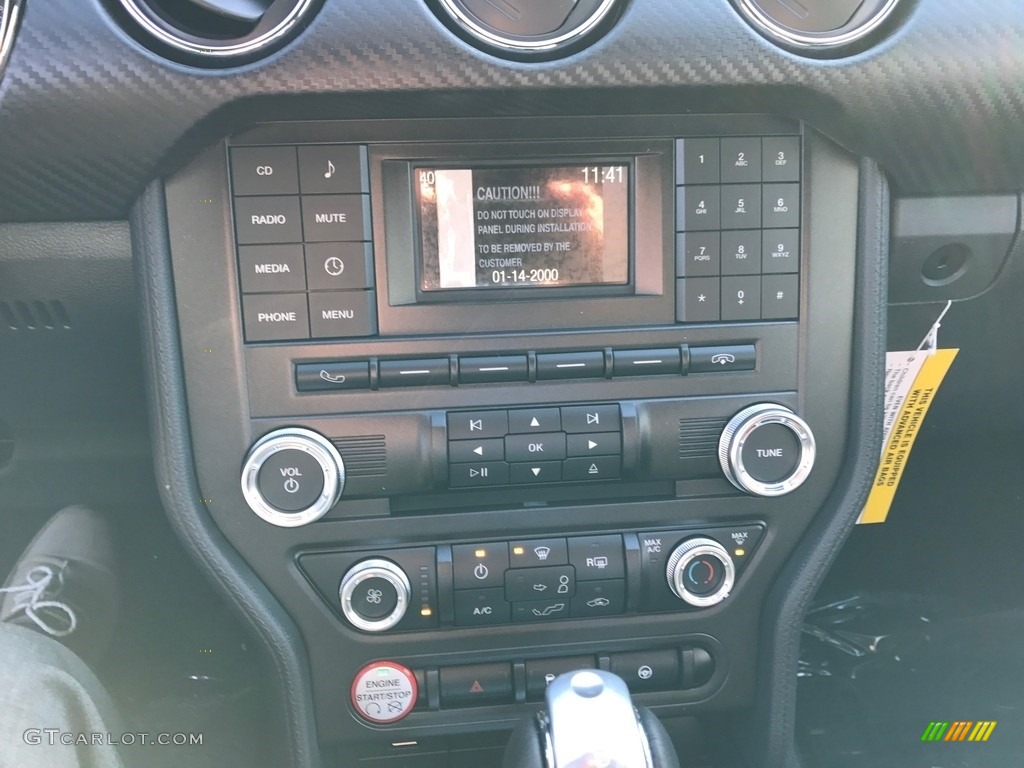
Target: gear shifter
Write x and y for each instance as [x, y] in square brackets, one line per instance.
[590, 721]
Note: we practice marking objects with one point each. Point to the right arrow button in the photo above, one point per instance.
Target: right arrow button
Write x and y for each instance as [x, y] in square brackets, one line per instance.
[595, 444]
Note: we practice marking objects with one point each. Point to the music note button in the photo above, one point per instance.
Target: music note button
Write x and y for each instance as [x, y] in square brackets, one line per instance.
[333, 169]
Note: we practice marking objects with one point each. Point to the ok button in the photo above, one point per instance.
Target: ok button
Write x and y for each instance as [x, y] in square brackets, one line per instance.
[544, 446]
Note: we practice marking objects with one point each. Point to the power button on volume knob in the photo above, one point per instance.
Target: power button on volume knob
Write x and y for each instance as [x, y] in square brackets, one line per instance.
[766, 450]
[292, 476]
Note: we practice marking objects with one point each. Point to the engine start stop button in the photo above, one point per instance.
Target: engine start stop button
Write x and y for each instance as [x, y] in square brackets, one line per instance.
[384, 692]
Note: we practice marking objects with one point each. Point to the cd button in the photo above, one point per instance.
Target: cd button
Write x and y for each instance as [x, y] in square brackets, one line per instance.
[333, 168]
[535, 472]
[264, 171]
[336, 217]
[474, 425]
[528, 420]
[339, 266]
[591, 418]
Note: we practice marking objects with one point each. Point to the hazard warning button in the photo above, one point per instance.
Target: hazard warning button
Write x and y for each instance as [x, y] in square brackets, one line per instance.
[384, 692]
[476, 684]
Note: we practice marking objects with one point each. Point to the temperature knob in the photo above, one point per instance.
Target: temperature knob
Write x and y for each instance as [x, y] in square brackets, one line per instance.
[374, 595]
[292, 476]
[766, 450]
[700, 572]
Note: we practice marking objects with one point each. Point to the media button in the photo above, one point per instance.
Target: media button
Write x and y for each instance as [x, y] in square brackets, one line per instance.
[271, 268]
[479, 607]
[475, 425]
[339, 266]
[479, 475]
[336, 217]
[264, 171]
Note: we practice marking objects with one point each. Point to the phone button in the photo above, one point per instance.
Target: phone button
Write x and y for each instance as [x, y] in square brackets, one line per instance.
[322, 377]
[739, 357]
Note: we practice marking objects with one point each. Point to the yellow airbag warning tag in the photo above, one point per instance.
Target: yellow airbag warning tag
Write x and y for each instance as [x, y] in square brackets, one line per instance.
[911, 381]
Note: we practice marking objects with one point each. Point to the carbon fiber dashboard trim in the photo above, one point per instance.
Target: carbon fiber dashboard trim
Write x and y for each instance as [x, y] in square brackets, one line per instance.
[96, 116]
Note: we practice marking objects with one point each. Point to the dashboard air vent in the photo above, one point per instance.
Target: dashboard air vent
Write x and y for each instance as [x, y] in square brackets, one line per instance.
[818, 27]
[10, 11]
[215, 32]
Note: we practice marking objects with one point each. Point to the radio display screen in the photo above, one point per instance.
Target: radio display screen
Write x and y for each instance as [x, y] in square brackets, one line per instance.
[523, 227]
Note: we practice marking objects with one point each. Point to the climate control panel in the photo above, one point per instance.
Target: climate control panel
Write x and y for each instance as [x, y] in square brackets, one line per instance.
[533, 581]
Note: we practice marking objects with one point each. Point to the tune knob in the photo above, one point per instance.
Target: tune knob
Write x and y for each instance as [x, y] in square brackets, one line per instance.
[292, 476]
[374, 595]
[700, 572]
[766, 450]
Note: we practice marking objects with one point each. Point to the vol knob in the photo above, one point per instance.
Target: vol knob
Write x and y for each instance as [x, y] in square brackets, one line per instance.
[292, 476]
[766, 450]
[700, 572]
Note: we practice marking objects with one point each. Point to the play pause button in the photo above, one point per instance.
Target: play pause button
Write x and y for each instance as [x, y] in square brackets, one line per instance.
[594, 444]
[481, 474]
[537, 472]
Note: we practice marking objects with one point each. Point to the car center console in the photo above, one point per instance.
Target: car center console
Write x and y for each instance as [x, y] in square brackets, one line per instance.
[480, 401]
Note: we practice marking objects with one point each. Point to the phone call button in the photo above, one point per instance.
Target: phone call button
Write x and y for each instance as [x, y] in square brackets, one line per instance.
[317, 377]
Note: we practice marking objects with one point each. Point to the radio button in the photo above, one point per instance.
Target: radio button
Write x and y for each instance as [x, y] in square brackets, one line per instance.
[741, 298]
[275, 317]
[342, 314]
[472, 425]
[548, 446]
[597, 558]
[339, 266]
[525, 584]
[698, 254]
[697, 161]
[591, 418]
[741, 160]
[333, 168]
[415, 373]
[741, 206]
[260, 220]
[264, 171]
[780, 297]
[536, 472]
[319, 377]
[599, 598]
[467, 451]
[476, 566]
[480, 607]
[646, 362]
[481, 475]
[594, 444]
[698, 208]
[741, 253]
[571, 365]
[336, 217]
[740, 357]
[271, 268]
[534, 420]
[525, 554]
[781, 205]
[780, 252]
[485, 370]
[698, 300]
